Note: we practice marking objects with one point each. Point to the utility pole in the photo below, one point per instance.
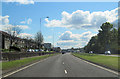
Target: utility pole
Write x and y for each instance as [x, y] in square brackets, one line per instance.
[53, 39]
[40, 34]
[41, 29]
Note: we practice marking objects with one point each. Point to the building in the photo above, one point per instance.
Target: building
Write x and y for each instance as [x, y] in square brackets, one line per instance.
[57, 49]
[18, 42]
[0, 41]
[48, 46]
[4, 40]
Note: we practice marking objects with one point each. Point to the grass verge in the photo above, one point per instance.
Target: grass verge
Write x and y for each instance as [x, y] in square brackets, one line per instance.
[107, 61]
[19, 63]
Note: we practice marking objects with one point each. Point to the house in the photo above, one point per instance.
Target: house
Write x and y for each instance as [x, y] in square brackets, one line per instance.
[48, 46]
[0, 41]
[5, 40]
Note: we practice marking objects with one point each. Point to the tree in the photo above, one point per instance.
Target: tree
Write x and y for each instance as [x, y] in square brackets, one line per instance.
[119, 36]
[39, 39]
[106, 39]
[72, 48]
[119, 40]
[14, 31]
[104, 36]
[92, 45]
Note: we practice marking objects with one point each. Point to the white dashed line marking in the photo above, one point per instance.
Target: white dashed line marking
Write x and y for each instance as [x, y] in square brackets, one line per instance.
[65, 71]
[63, 62]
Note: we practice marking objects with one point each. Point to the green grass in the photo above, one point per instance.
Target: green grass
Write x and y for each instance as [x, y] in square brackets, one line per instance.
[19, 63]
[108, 61]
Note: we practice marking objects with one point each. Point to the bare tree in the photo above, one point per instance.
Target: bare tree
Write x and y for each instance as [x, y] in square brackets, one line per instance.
[14, 31]
[39, 39]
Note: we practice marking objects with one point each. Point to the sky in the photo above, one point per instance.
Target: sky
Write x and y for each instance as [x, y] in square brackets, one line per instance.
[70, 24]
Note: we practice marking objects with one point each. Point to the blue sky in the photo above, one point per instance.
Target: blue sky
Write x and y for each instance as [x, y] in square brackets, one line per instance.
[67, 34]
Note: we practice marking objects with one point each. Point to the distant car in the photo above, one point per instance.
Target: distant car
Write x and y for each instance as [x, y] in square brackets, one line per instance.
[36, 50]
[107, 53]
[74, 51]
[91, 52]
[30, 50]
[63, 52]
[41, 50]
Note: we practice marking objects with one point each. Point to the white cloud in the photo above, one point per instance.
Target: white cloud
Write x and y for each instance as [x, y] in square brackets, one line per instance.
[4, 20]
[68, 39]
[84, 19]
[22, 22]
[28, 21]
[66, 36]
[49, 37]
[4, 23]
[23, 26]
[21, 1]
[24, 35]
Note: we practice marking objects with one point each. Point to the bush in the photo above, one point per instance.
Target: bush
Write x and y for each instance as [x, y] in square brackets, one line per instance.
[5, 50]
[14, 48]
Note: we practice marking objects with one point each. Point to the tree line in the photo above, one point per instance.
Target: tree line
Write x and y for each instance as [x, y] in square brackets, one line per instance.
[105, 40]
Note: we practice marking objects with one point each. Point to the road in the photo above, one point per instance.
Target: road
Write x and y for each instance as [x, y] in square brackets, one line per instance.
[63, 65]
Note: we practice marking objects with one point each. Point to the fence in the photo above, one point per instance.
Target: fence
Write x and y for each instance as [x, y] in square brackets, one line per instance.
[17, 56]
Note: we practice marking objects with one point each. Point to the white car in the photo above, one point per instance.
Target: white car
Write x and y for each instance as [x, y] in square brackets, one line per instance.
[41, 50]
[91, 52]
[30, 50]
[107, 53]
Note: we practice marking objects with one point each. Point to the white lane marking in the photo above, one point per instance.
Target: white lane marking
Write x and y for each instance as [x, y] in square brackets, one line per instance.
[65, 71]
[101, 67]
[63, 62]
[23, 68]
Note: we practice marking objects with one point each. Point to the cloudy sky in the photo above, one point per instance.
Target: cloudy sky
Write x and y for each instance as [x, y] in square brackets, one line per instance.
[72, 24]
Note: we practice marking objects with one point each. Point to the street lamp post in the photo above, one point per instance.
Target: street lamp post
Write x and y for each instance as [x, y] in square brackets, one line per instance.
[53, 38]
[41, 29]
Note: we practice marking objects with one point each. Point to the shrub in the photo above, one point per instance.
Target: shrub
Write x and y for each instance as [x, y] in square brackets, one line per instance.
[14, 48]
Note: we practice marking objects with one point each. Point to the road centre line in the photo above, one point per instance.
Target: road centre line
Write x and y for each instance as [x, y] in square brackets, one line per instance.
[65, 71]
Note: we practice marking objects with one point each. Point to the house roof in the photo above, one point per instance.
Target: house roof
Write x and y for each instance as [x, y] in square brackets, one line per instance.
[4, 33]
[18, 38]
[7, 34]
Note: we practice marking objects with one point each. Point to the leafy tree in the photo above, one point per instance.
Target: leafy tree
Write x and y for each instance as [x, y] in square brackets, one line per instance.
[92, 45]
[104, 36]
[114, 41]
[106, 39]
[119, 40]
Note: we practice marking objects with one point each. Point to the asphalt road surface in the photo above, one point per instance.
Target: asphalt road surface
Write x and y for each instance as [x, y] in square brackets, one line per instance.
[63, 65]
